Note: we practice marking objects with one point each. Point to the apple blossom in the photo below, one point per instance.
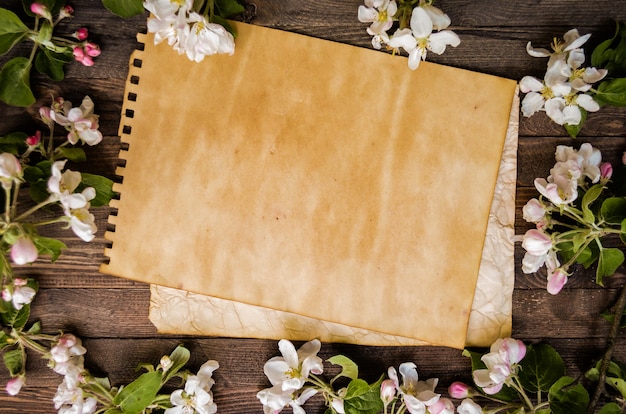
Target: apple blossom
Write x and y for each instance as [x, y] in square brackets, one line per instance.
[292, 369]
[14, 385]
[556, 281]
[275, 399]
[560, 192]
[379, 13]
[337, 402]
[67, 355]
[41, 10]
[19, 294]
[416, 395]
[197, 393]
[501, 363]
[420, 38]
[534, 211]
[572, 41]
[82, 223]
[387, 391]
[24, 251]
[537, 242]
[204, 39]
[10, 169]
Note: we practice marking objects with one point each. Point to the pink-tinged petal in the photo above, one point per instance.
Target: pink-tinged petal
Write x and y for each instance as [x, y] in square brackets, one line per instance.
[24, 251]
[587, 102]
[606, 171]
[438, 41]
[387, 391]
[413, 405]
[538, 52]
[556, 281]
[14, 385]
[530, 84]
[537, 242]
[421, 25]
[312, 364]
[533, 211]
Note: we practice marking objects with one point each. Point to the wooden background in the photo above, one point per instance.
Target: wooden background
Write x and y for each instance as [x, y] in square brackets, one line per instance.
[111, 314]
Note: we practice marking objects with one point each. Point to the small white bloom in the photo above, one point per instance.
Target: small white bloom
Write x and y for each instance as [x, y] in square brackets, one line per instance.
[204, 39]
[292, 369]
[560, 192]
[14, 385]
[379, 13]
[533, 211]
[423, 38]
[572, 41]
[67, 356]
[22, 295]
[417, 395]
[24, 251]
[197, 396]
[10, 169]
[501, 362]
[82, 223]
[275, 399]
[81, 122]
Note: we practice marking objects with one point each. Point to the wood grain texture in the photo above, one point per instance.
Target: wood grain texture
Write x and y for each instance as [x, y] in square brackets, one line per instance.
[111, 314]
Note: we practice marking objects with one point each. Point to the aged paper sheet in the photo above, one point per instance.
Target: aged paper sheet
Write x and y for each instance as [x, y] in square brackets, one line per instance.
[312, 178]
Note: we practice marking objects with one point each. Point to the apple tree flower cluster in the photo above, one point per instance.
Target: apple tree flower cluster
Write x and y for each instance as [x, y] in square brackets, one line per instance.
[191, 27]
[421, 27]
[580, 203]
[510, 377]
[51, 52]
[564, 93]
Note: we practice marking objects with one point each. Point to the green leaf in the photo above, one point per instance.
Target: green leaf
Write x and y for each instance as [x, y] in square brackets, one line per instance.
[14, 361]
[610, 408]
[137, 395]
[590, 196]
[541, 368]
[619, 384]
[566, 398]
[573, 130]
[348, 368]
[179, 357]
[608, 262]
[363, 398]
[15, 82]
[612, 92]
[10, 23]
[102, 185]
[8, 40]
[51, 64]
[16, 318]
[613, 210]
[602, 54]
[228, 8]
[48, 246]
[124, 8]
[74, 154]
[35, 328]
[4, 340]
[14, 143]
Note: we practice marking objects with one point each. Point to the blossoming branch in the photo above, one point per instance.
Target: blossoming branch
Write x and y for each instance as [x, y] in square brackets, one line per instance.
[50, 53]
[414, 31]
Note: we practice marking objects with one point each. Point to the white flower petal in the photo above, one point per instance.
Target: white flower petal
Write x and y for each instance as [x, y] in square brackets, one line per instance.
[532, 103]
[587, 102]
[421, 25]
[438, 41]
[538, 52]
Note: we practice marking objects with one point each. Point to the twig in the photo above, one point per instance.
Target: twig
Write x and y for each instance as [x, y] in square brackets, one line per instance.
[608, 354]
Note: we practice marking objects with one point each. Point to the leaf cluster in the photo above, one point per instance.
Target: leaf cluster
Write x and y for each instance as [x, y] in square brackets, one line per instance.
[360, 397]
[611, 55]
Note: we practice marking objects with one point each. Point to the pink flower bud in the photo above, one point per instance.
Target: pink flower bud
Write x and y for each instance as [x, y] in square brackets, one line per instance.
[536, 242]
[87, 61]
[15, 385]
[458, 390]
[387, 391]
[41, 10]
[66, 11]
[92, 49]
[514, 349]
[67, 340]
[606, 171]
[6, 295]
[24, 251]
[556, 281]
[44, 113]
[81, 34]
[533, 211]
[34, 139]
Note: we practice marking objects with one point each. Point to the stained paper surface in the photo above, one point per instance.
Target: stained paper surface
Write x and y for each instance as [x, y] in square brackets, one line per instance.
[312, 178]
